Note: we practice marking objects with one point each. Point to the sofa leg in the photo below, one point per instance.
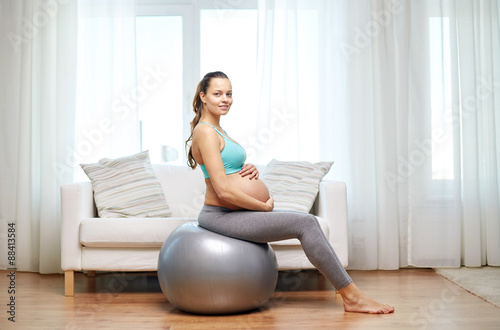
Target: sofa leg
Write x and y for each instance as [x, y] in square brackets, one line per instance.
[69, 283]
[91, 273]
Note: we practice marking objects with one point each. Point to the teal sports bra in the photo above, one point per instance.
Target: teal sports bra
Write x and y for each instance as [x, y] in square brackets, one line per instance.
[233, 155]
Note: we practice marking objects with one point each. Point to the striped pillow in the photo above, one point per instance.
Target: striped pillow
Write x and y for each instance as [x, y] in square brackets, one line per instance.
[127, 187]
[294, 185]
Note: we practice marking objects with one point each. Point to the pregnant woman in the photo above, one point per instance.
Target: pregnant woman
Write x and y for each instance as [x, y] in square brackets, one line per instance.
[237, 202]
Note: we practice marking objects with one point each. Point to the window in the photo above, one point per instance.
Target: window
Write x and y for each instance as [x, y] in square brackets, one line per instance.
[161, 105]
[203, 37]
[441, 104]
[228, 43]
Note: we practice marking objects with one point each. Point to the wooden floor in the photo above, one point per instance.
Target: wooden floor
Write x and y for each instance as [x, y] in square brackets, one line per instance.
[302, 300]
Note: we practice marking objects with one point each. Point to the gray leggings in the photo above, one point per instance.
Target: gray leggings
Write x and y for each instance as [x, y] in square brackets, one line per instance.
[263, 227]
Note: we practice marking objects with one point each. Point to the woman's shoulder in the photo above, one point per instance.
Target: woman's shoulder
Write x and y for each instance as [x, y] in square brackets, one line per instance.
[202, 129]
[204, 132]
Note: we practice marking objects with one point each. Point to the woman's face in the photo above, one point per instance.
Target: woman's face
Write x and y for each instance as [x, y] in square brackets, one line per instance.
[219, 96]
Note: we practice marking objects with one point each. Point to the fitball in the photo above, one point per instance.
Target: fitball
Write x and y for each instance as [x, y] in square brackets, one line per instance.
[203, 272]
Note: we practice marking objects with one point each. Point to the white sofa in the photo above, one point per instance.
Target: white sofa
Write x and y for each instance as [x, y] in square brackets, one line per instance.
[93, 244]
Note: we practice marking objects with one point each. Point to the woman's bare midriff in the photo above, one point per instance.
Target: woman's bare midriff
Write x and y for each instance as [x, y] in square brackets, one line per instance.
[253, 187]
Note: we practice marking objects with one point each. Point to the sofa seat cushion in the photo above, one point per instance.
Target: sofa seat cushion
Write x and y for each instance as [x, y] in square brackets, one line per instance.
[143, 232]
[128, 232]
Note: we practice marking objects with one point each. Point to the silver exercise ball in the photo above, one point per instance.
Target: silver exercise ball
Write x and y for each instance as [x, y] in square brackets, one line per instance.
[207, 273]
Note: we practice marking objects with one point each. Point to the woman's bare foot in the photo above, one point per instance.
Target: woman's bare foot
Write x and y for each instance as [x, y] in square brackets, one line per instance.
[357, 302]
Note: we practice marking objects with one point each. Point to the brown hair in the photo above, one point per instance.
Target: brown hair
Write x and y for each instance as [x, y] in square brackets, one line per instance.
[197, 108]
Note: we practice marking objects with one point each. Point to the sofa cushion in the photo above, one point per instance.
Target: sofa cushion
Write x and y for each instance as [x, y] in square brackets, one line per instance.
[128, 232]
[127, 187]
[143, 232]
[294, 185]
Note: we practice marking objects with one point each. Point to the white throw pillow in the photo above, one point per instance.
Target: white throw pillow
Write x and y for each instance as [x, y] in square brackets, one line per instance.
[294, 185]
[127, 187]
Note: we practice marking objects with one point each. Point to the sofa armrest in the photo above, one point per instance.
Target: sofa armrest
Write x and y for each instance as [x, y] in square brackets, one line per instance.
[332, 207]
[77, 202]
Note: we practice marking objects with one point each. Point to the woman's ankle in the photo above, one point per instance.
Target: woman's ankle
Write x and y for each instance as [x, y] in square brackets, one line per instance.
[349, 292]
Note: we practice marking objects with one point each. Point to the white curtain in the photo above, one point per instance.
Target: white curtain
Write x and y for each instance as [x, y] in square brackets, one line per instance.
[408, 94]
[402, 88]
[37, 102]
[288, 71]
[106, 114]
[477, 91]
[67, 96]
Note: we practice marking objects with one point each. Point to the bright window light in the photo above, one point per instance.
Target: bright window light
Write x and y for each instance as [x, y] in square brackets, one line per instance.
[160, 77]
[228, 43]
[442, 151]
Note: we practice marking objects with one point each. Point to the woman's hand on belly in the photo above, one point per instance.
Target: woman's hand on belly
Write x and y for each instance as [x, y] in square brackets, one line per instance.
[270, 203]
[250, 171]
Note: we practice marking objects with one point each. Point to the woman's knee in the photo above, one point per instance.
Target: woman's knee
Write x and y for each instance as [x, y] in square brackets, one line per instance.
[307, 221]
[309, 217]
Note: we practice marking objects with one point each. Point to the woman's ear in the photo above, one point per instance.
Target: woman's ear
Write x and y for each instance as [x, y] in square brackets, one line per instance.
[202, 97]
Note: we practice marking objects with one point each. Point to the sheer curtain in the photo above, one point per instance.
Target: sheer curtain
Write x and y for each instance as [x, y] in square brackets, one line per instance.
[288, 76]
[68, 94]
[37, 101]
[477, 92]
[106, 114]
[406, 93]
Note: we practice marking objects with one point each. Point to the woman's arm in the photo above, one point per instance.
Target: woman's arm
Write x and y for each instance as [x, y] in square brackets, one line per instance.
[207, 143]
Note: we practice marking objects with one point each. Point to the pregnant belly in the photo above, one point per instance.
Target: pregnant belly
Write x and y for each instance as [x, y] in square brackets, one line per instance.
[255, 188]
